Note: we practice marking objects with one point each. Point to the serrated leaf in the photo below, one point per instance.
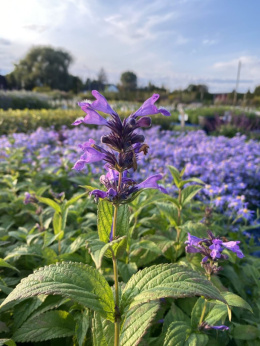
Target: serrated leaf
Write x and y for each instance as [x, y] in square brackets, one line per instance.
[105, 216]
[50, 203]
[82, 325]
[166, 280]
[175, 174]
[102, 331]
[188, 193]
[180, 334]
[24, 309]
[104, 219]
[50, 325]
[79, 282]
[136, 323]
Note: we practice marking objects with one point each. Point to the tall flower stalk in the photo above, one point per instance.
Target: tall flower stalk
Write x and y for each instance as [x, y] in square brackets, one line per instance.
[120, 150]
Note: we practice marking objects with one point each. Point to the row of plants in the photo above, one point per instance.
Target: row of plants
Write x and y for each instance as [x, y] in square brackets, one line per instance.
[27, 120]
[152, 268]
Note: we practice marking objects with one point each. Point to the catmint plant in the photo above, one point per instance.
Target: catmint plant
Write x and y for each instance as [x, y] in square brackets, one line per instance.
[121, 314]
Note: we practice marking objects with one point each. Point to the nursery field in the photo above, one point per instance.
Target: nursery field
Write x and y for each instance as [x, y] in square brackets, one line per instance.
[183, 267]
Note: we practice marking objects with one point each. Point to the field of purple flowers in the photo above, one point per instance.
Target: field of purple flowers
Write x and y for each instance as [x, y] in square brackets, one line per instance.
[230, 168]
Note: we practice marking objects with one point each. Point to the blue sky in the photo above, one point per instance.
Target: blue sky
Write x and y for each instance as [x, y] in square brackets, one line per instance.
[169, 42]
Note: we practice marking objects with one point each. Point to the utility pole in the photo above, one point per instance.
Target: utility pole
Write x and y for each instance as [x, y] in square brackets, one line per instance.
[237, 83]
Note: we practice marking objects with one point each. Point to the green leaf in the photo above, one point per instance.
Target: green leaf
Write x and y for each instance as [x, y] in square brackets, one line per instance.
[115, 248]
[8, 342]
[73, 200]
[50, 203]
[191, 180]
[175, 174]
[136, 323]
[57, 221]
[218, 313]
[79, 282]
[166, 280]
[188, 193]
[50, 325]
[234, 300]
[104, 219]
[102, 331]
[169, 211]
[82, 325]
[3, 263]
[24, 309]
[147, 245]
[197, 311]
[180, 334]
[245, 332]
[122, 225]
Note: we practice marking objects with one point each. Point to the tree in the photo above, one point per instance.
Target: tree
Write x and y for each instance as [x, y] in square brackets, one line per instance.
[102, 76]
[129, 80]
[43, 66]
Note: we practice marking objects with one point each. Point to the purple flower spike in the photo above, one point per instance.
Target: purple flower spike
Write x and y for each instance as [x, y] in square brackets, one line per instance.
[101, 103]
[232, 246]
[216, 248]
[148, 108]
[27, 198]
[151, 183]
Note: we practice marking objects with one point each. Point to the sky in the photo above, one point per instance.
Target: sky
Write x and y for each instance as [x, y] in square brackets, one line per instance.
[166, 42]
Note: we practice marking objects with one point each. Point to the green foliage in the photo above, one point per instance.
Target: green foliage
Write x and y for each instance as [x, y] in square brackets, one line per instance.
[50, 325]
[80, 283]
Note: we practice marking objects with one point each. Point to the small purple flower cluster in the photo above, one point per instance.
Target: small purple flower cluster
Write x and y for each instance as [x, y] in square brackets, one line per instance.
[123, 146]
[212, 247]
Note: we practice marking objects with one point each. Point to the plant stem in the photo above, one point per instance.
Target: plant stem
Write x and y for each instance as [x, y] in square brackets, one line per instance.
[117, 313]
[203, 312]
[179, 217]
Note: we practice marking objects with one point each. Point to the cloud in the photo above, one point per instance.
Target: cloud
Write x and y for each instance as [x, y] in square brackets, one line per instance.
[208, 42]
[4, 42]
[35, 27]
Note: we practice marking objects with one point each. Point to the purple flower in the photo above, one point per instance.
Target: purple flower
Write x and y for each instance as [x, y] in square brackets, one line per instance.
[100, 104]
[204, 325]
[222, 327]
[90, 155]
[148, 108]
[27, 198]
[232, 246]
[192, 240]
[92, 116]
[151, 183]
[216, 248]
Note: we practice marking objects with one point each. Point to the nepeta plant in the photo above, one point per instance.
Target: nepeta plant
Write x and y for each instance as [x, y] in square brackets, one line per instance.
[123, 313]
